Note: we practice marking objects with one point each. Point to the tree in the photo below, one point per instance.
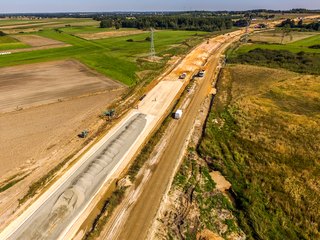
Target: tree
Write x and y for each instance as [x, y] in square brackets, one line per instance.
[117, 25]
[107, 23]
[285, 32]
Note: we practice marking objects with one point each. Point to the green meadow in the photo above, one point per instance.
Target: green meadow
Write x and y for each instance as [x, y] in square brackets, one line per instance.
[7, 42]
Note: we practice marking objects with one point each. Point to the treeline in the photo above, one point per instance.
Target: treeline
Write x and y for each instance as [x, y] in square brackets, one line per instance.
[298, 62]
[208, 24]
[315, 26]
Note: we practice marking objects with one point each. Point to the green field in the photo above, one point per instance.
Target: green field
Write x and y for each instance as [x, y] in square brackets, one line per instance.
[7, 42]
[263, 134]
[297, 46]
[113, 57]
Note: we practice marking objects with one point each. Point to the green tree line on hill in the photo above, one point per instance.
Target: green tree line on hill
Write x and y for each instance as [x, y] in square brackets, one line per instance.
[314, 26]
[208, 24]
[298, 62]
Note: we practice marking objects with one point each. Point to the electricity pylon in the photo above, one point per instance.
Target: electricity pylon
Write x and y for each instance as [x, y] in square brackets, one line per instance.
[152, 49]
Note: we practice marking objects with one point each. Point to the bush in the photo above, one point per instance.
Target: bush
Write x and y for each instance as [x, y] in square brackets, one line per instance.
[317, 46]
[299, 62]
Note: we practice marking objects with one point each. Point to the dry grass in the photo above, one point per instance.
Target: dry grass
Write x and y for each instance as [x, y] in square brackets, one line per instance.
[275, 36]
[264, 135]
[109, 34]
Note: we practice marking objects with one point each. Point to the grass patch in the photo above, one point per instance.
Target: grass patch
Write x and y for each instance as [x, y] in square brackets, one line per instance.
[105, 214]
[14, 180]
[263, 135]
[7, 42]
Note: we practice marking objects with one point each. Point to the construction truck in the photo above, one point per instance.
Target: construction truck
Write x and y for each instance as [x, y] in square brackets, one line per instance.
[201, 73]
[183, 76]
[83, 134]
[177, 114]
[109, 113]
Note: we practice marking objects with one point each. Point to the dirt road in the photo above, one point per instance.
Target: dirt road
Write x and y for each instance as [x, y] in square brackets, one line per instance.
[142, 212]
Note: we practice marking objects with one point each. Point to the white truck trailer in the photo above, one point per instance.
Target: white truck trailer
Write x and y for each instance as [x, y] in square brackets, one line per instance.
[178, 114]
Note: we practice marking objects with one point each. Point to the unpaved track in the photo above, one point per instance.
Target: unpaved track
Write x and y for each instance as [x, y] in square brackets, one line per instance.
[142, 213]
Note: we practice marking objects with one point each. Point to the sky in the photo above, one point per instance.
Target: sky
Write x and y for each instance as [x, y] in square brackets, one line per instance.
[31, 6]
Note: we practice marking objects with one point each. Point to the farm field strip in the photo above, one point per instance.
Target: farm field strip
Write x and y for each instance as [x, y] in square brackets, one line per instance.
[297, 46]
[275, 36]
[42, 83]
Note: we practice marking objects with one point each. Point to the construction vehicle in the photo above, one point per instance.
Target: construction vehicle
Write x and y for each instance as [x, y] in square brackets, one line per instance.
[177, 114]
[83, 134]
[142, 97]
[201, 73]
[183, 76]
[109, 113]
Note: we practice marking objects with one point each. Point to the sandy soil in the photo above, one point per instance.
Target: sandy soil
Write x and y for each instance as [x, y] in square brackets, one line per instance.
[206, 234]
[34, 84]
[36, 41]
[100, 35]
[26, 25]
[221, 183]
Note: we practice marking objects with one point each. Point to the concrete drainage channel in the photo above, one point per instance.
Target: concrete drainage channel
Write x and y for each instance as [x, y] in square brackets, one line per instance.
[53, 216]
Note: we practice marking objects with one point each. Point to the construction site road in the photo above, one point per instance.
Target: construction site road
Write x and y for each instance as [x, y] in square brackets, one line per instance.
[59, 212]
[134, 222]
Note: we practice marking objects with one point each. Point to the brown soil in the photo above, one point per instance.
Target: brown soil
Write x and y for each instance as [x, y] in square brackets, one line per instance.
[36, 41]
[35, 140]
[34, 84]
[110, 34]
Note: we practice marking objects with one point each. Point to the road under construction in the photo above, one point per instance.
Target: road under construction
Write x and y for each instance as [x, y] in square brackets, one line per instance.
[133, 219]
[59, 212]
